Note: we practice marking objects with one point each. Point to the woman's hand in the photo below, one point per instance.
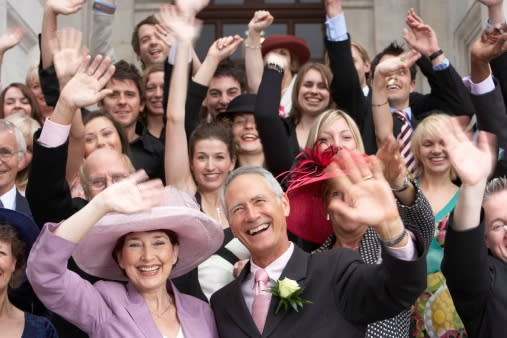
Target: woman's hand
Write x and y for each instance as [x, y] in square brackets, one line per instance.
[367, 197]
[473, 163]
[11, 38]
[134, 194]
[65, 7]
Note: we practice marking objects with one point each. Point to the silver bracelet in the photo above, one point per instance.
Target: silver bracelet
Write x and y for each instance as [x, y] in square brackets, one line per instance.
[406, 183]
[396, 240]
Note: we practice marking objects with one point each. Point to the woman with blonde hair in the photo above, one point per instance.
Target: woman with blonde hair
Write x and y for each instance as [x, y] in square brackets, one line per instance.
[435, 177]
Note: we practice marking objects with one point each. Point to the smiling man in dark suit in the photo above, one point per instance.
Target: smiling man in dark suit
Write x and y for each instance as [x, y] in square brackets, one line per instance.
[344, 293]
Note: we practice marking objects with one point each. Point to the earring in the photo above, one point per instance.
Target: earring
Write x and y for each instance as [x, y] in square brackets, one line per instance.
[327, 216]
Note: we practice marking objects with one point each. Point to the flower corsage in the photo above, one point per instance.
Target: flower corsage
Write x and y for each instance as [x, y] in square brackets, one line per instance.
[289, 292]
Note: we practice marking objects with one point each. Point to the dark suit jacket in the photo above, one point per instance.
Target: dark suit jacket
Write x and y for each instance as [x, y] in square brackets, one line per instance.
[447, 93]
[346, 294]
[476, 281]
[22, 204]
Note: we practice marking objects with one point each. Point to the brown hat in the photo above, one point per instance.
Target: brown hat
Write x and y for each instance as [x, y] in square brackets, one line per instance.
[293, 43]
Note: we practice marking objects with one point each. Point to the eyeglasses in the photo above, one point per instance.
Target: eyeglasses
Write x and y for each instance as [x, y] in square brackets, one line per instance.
[6, 154]
[100, 183]
[499, 227]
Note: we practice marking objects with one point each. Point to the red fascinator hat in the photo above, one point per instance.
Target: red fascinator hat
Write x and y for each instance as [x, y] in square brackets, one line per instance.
[307, 218]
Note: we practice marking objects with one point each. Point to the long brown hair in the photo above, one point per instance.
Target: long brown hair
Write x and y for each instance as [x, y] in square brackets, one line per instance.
[36, 114]
[327, 76]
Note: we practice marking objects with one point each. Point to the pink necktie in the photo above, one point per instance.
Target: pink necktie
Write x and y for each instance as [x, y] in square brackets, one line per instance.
[404, 139]
[262, 299]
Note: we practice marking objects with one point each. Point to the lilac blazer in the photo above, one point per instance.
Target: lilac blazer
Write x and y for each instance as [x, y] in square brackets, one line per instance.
[105, 309]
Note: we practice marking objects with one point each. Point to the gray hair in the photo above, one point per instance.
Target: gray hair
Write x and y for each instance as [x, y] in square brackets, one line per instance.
[270, 180]
[495, 185]
[7, 126]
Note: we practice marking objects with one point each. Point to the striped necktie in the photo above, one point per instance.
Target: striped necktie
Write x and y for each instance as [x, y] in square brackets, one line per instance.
[404, 140]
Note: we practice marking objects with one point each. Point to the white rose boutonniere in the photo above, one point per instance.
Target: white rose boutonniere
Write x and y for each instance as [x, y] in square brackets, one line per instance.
[289, 292]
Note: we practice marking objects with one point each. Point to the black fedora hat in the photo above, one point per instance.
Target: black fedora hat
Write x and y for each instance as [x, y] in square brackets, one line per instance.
[244, 103]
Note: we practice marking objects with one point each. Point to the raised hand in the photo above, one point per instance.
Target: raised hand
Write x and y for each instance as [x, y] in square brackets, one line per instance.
[391, 66]
[420, 36]
[224, 47]
[491, 44]
[473, 163]
[333, 8]
[367, 197]
[11, 38]
[65, 7]
[185, 28]
[394, 168]
[85, 88]
[191, 7]
[134, 194]
[67, 53]
[164, 34]
[260, 21]
[490, 3]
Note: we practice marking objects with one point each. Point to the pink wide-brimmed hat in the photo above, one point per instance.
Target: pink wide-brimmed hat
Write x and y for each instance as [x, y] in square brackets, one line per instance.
[293, 43]
[199, 236]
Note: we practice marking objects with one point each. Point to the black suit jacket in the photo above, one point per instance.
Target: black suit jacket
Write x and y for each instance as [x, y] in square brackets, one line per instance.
[22, 204]
[346, 294]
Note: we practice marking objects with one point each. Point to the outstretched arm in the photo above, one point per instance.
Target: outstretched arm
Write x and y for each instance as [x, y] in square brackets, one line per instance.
[8, 40]
[176, 160]
[254, 65]
[382, 116]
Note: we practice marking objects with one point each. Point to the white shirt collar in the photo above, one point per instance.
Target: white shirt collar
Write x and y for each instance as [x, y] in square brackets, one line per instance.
[276, 267]
[9, 199]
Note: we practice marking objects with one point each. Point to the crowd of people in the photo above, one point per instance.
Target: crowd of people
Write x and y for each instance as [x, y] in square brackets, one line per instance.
[279, 198]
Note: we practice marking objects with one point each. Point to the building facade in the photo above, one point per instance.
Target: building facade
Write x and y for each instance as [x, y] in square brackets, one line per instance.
[373, 23]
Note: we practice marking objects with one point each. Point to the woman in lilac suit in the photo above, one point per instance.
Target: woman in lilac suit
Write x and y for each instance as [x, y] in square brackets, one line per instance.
[145, 249]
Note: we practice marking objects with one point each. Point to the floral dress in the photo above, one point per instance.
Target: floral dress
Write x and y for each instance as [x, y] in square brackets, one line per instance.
[433, 314]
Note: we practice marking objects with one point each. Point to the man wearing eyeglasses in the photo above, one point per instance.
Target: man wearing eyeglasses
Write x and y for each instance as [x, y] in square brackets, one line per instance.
[12, 149]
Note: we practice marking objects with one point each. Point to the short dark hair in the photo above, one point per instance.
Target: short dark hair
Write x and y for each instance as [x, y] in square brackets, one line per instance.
[128, 71]
[227, 68]
[9, 235]
[212, 130]
[149, 20]
[395, 49]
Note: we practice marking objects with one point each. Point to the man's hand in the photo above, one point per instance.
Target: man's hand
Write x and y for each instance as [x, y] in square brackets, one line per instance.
[85, 88]
[184, 28]
[224, 47]
[333, 8]
[190, 8]
[491, 44]
[67, 53]
[420, 36]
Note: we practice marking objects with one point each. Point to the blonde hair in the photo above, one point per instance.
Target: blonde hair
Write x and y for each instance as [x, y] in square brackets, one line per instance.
[428, 128]
[329, 116]
[32, 75]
